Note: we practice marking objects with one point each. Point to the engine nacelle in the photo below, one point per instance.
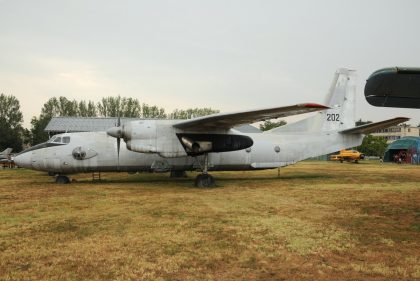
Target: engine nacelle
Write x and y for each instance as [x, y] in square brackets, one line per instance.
[140, 146]
[159, 136]
[153, 136]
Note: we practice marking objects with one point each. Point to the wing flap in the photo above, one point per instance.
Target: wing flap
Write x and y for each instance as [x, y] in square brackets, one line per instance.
[226, 121]
[373, 127]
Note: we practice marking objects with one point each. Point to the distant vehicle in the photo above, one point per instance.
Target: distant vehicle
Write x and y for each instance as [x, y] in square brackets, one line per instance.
[348, 155]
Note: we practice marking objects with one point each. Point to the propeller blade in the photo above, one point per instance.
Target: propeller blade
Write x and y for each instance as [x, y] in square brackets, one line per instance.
[118, 140]
[118, 153]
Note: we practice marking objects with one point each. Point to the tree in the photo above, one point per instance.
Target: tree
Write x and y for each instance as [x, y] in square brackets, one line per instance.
[268, 125]
[148, 111]
[11, 119]
[117, 106]
[86, 109]
[373, 146]
[192, 113]
[38, 135]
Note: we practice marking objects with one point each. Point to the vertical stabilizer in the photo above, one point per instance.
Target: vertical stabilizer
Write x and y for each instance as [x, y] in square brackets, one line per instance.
[340, 116]
[5, 153]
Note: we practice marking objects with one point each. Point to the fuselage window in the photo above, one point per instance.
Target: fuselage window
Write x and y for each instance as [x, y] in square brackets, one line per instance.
[58, 139]
[66, 139]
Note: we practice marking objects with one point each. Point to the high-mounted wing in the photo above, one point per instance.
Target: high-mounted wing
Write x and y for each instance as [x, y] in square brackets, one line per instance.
[225, 121]
[373, 127]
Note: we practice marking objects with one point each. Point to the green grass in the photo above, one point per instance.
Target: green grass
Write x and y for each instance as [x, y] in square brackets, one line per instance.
[319, 220]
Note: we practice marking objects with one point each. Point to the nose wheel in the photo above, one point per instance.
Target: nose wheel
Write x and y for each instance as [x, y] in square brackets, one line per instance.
[205, 179]
[60, 179]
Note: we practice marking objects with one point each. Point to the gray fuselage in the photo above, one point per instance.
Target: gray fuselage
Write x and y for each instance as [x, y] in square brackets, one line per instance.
[100, 153]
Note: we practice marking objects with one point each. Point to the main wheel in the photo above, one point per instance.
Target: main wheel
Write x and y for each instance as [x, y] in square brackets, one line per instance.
[62, 179]
[204, 180]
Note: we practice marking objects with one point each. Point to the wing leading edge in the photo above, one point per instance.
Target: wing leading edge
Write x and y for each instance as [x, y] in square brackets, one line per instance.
[226, 121]
[373, 127]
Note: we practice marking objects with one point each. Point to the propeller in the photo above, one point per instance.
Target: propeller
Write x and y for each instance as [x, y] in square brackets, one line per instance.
[116, 132]
[119, 139]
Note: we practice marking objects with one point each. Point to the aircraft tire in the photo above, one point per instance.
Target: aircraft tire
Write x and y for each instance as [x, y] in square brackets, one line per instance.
[204, 180]
[60, 179]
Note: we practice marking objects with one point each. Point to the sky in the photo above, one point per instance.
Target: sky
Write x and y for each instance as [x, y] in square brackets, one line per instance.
[228, 55]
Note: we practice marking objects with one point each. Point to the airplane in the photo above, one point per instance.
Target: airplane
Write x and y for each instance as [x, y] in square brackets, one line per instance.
[5, 153]
[209, 143]
[348, 155]
[5, 156]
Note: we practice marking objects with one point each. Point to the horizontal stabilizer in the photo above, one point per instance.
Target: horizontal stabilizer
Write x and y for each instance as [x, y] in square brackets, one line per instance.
[373, 127]
[226, 121]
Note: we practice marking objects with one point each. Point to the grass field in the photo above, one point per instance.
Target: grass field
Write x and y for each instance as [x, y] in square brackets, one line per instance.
[318, 221]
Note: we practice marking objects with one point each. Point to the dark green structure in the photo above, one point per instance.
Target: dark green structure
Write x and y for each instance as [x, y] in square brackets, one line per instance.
[394, 87]
[407, 148]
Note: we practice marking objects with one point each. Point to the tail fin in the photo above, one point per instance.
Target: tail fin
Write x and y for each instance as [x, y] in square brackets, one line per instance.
[340, 116]
[5, 153]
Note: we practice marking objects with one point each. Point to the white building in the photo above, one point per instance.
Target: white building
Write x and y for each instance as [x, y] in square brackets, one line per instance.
[396, 132]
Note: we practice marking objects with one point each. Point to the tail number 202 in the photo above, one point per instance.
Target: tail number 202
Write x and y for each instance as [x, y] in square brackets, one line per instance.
[333, 117]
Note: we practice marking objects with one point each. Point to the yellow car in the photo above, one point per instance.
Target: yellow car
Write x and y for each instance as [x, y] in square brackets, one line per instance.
[348, 155]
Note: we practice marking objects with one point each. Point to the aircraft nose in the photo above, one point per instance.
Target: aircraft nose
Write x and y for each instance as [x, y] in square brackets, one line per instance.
[23, 160]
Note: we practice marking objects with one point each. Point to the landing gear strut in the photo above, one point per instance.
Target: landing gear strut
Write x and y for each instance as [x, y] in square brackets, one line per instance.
[204, 179]
[61, 179]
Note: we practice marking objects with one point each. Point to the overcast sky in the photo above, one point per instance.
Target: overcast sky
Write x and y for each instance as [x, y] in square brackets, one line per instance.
[228, 55]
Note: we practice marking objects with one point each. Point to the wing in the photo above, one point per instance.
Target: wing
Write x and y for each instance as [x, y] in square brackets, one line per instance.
[373, 127]
[226, 121]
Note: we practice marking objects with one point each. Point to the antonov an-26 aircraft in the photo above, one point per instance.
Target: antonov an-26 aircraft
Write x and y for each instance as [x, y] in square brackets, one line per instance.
[209, 143]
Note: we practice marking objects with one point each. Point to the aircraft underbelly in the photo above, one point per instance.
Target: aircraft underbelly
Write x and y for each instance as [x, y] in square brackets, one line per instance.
[52, 164]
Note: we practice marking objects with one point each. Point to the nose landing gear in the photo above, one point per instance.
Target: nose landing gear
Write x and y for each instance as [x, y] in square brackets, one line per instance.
[61, 179]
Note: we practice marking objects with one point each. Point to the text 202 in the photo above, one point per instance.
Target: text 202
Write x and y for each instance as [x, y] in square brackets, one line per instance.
[333, 117]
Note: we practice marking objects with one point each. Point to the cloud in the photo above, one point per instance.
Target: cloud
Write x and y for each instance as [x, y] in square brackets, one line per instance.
[52, 76]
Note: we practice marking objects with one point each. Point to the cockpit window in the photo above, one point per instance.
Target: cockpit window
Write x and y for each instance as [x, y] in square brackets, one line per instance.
[61, 140]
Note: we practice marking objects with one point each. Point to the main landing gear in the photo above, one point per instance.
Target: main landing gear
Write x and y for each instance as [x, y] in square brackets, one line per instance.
[204, 179]
[61, 179]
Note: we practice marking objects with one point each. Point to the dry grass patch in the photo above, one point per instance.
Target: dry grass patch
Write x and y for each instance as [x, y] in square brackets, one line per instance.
[323, 221]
